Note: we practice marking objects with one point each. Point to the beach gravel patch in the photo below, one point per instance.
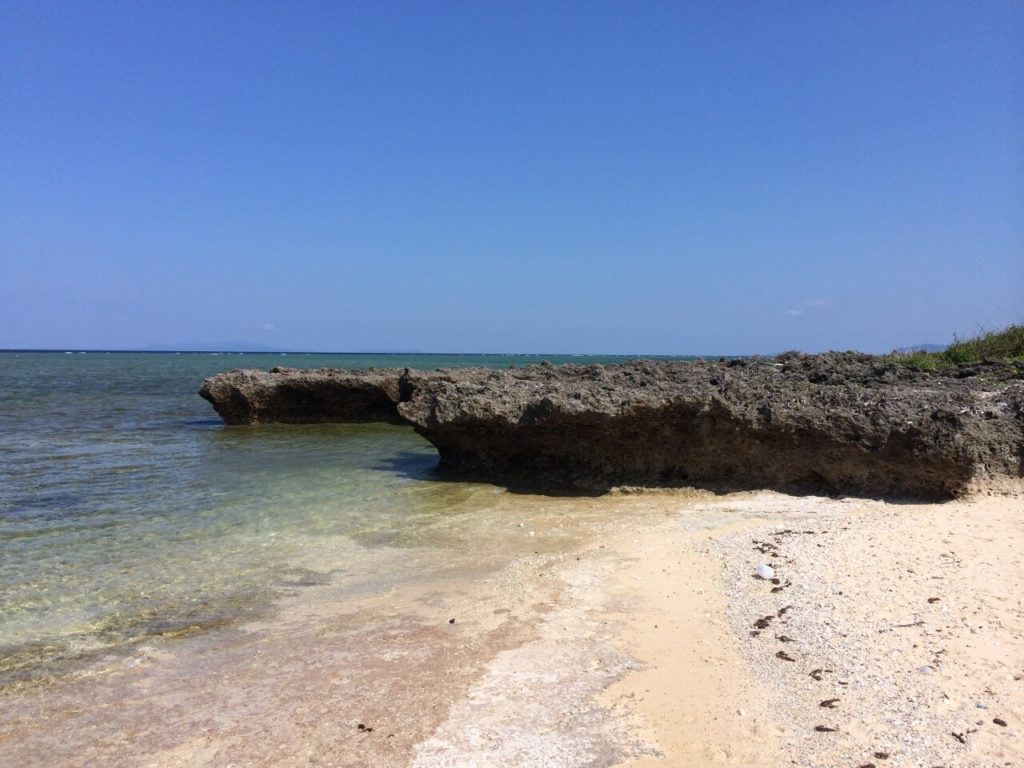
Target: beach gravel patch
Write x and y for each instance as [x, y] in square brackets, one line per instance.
[867, 631]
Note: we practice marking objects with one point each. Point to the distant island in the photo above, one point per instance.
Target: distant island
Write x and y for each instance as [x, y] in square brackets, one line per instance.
[920, 348]
[219, 346]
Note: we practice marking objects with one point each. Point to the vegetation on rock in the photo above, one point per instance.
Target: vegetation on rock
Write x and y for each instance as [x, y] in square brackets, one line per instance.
[1005, 344]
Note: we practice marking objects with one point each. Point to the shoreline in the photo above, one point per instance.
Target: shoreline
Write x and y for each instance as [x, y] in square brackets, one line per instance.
[625, 642]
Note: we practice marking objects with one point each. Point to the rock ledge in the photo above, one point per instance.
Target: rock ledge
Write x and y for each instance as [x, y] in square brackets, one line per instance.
[836, 423]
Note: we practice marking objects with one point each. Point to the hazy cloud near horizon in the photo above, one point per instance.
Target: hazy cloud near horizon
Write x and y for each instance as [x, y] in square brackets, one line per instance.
[807, 306]
[703, 178]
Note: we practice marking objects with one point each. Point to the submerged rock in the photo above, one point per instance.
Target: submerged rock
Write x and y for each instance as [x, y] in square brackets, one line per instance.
[838, 423]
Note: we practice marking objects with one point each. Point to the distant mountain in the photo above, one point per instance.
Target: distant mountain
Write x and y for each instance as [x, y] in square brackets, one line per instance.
[389, 351]
[921, 348]
[212, 346]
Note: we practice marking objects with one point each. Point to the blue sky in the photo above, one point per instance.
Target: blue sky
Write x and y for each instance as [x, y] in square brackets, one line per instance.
[641, 177]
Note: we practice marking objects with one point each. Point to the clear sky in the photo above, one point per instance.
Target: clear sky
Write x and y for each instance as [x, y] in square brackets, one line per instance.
[631, 177]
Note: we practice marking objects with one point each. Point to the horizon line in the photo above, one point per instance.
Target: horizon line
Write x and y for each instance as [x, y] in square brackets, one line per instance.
[76, 350]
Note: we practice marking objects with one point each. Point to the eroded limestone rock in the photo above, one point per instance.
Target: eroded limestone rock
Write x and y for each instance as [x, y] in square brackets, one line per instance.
[840, 422]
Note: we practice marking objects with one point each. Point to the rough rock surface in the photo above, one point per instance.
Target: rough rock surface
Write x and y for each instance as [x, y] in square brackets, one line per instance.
[294, 396]
[840, 422]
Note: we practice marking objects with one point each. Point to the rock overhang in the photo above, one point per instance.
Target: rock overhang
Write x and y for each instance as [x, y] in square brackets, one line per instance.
[839, 423]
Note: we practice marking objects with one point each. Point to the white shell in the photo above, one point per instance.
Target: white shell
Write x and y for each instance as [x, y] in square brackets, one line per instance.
[765, 572]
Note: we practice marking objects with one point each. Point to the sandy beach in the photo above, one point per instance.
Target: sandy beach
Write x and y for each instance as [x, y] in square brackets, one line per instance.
[894, 636]
[625, 630]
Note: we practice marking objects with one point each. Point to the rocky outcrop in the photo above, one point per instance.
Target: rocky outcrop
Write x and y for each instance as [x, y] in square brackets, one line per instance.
[293, 396]
[844, 423]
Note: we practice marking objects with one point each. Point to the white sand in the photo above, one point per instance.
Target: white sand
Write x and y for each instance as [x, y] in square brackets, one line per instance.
[912, 613]
[624, 642]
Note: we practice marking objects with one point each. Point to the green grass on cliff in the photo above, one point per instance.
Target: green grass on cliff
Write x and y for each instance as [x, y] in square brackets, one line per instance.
[1007, 344]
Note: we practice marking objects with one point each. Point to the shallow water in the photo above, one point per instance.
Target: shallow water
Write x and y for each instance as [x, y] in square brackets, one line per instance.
[127, 509]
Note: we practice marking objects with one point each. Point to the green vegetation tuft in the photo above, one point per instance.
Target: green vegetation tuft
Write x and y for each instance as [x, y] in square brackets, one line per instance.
[1007, 344]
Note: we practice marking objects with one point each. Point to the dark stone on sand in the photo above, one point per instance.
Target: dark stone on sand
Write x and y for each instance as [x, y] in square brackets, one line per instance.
[835, 423]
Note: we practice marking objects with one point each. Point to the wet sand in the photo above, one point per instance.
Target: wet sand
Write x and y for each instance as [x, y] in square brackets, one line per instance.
[600, 632]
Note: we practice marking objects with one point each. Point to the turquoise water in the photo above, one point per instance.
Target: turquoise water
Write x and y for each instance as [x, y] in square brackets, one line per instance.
[128, 510]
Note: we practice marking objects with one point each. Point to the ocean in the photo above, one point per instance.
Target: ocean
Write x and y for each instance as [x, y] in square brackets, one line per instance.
[129, 512]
